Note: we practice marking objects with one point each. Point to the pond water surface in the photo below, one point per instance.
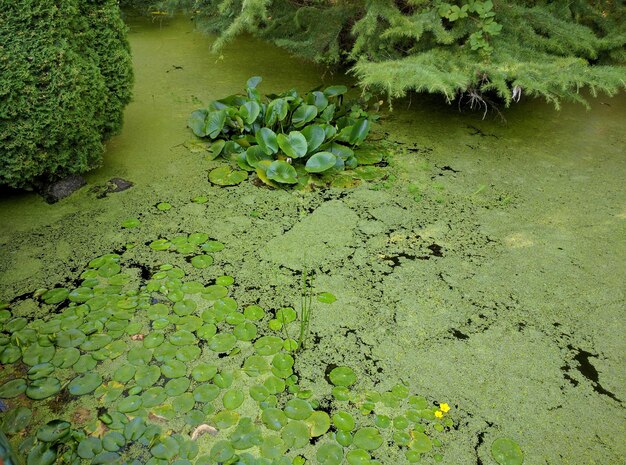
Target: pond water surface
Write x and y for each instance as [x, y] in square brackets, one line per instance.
[486, 270]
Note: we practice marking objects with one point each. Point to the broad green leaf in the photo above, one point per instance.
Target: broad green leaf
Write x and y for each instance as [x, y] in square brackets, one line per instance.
[321, 162]
[224, 176]
[328, 113]
[294, 145]
[281, 171]
[505, 451]
[318, 99]
[333, 91]
[253, 82]
[255, 154]
[314, 136]
[303, 115]
[266, 138]
[249, 111]
[276, 111]
[359, 132]
[197, 122]
[214, 123]
[341, 151]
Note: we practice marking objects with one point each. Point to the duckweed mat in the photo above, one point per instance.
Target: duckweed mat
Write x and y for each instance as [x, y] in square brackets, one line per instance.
[140, 366]
[482, 271]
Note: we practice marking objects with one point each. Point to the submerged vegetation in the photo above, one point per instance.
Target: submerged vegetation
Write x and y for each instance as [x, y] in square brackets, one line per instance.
[467, 48]
[285, 138]
[66, 76]
[121, 362]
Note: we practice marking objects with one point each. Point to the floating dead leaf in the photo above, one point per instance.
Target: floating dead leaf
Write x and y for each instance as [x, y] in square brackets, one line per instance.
[203, 429]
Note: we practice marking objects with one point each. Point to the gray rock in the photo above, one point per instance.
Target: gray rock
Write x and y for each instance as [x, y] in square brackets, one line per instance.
[55, 191]
[113, 185]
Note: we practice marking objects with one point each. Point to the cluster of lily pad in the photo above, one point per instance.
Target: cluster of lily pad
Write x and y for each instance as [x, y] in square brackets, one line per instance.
[176, 371]
[286, 139]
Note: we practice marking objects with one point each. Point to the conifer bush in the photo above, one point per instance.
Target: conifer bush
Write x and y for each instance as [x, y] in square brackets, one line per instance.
[65, 78]
[458, 48]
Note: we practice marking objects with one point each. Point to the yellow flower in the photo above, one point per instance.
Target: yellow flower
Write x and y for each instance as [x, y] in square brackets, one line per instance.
[438, 414]
[444, 407]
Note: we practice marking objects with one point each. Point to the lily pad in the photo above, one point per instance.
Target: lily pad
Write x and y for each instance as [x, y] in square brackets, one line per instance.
[329, 454]
[273, 447]
[319, 423]
[342, 376]
[202, 261]
[420, 443]
[225, 176]
[212, 246]
[183, 403]
[43, 388]
[188, 353]
[153, 397]
[358, 457]
[17, 419]
[160, 244]
[55, 296]
[70, 338]
[176, 387]
[53, 431]
[10, 354]
[85, 384]
[343, 421]
[113, 441]
[295, 434]
[326, 297]
[222, 451]
[166, 449]
[164, 206]
[268, 345]
[274, 418]
[42, 454]
[298, 409]
[131, 223]
[368, 438]
[225, 419]
[182, 338]
[233, 398]
[130, 404]
[173, 369]
[147, 375]
[245, 331]
[89, 447]
[154, 339]
[255, 365]
[222, 342]
[505, 451]
[13, 388]
[206, 392]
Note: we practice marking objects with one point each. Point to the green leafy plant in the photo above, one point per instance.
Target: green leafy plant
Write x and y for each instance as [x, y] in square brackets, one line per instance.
[284, 139]
[306, 306]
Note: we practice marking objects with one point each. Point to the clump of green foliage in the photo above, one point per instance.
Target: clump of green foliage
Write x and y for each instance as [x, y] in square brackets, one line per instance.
[65, 78]
[458, 48]
[285, 138]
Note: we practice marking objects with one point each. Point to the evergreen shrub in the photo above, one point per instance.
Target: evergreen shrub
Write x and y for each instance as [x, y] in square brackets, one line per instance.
[65, 78]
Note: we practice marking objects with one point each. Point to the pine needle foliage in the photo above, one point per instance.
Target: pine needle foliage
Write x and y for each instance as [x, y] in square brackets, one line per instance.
[549, 49]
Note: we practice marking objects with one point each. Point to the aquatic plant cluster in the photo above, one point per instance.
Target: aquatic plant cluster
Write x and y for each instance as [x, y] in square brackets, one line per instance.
[167, 370]
[286, 138]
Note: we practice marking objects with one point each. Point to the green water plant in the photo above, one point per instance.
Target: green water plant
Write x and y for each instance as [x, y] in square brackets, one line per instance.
[285, 139]
[120, 358]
